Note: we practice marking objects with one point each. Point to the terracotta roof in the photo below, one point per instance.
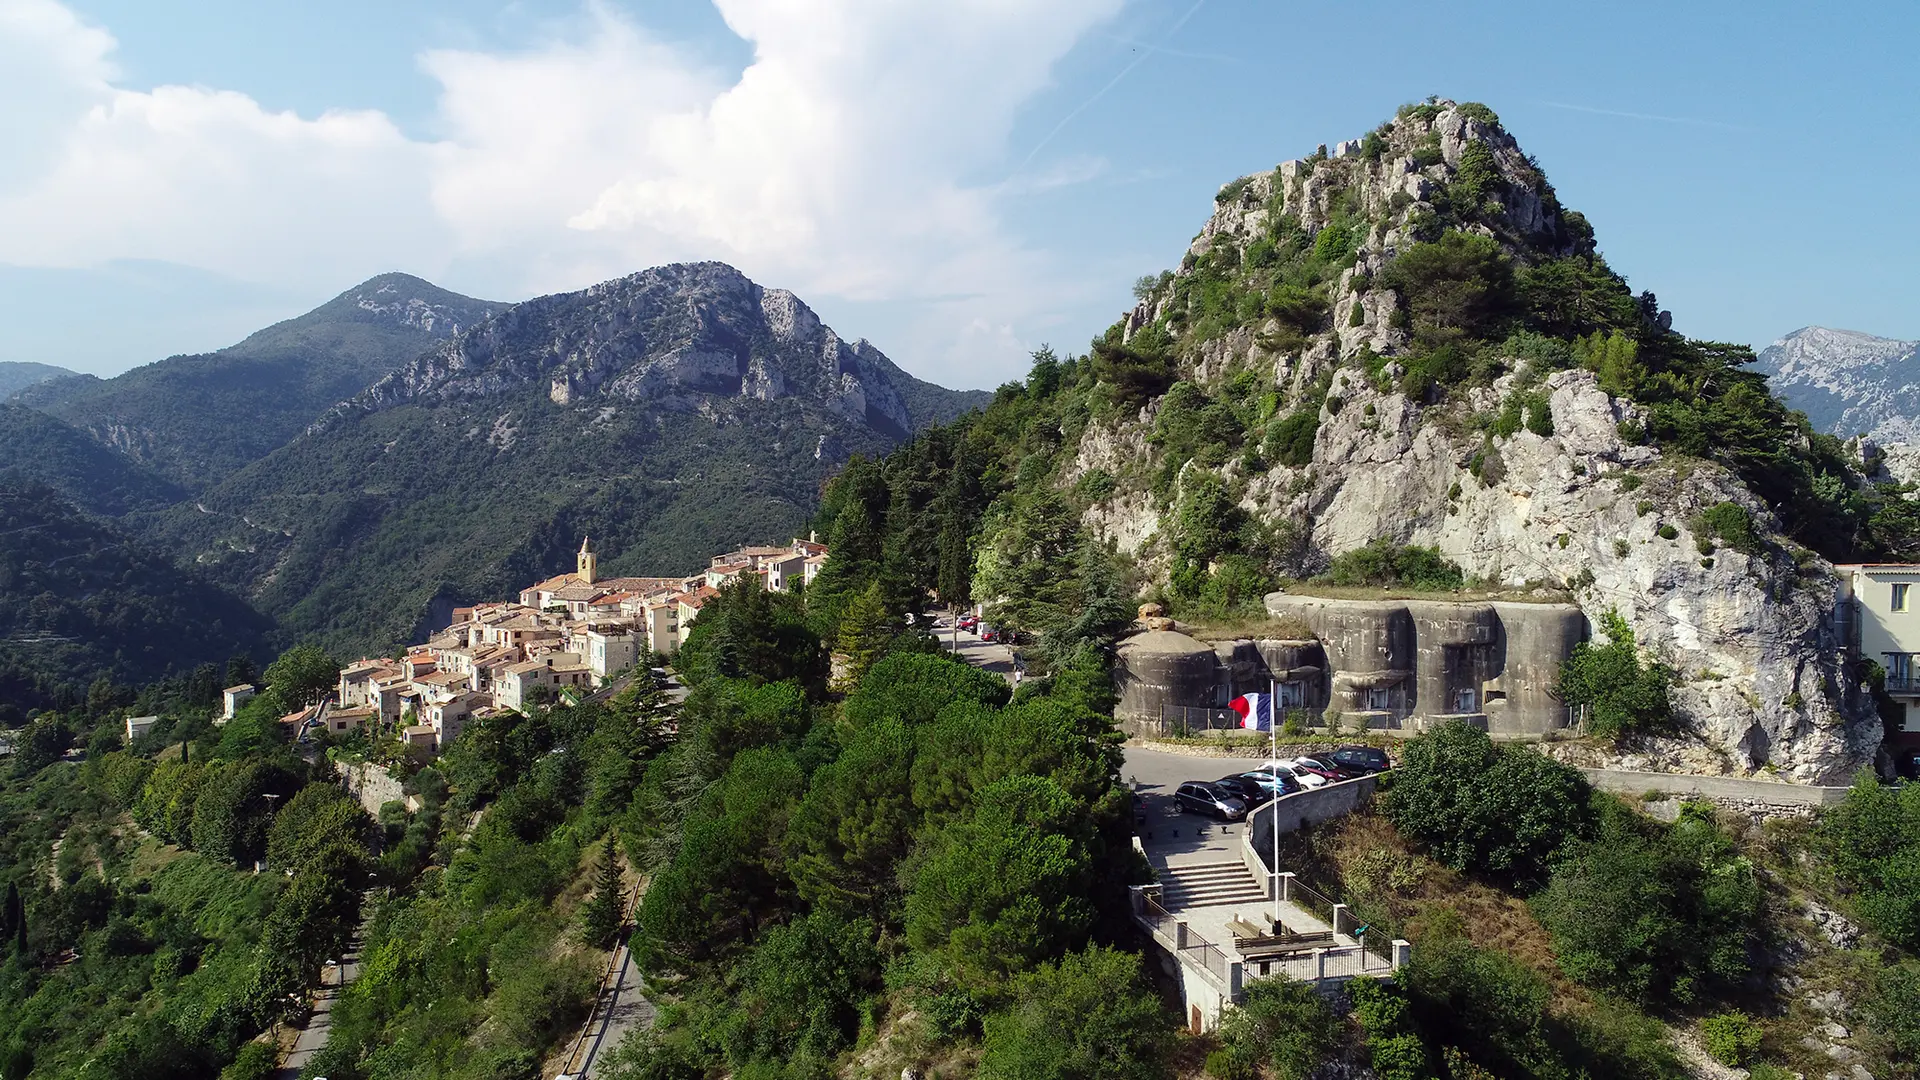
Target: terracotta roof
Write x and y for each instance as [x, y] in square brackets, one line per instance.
[640, 584]
[525, 666]
[558, 581]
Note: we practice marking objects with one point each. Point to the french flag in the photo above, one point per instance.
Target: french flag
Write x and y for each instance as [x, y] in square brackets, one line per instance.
[1256, 711]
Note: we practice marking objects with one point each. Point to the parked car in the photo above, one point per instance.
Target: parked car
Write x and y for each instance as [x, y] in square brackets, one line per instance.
[987, 634]
[1321, 766]
[1361, 760]
[1262, 785]
[1302, 775]
[968, 622]
[1203, 798]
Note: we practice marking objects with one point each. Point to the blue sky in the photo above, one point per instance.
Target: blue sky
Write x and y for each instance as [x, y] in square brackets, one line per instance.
[957, 182]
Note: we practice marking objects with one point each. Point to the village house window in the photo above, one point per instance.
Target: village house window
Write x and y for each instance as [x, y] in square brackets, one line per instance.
[1379, 698]
[1900, 596]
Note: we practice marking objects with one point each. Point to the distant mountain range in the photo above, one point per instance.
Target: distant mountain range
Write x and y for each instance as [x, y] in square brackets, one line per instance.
[1848, 383]
[670, 414]
[359, 470]
[16, 376]
[197, 419]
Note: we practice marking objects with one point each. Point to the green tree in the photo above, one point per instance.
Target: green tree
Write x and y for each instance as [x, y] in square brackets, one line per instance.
[750, 633]
[318, 817]
[867, 631]
[1458, 287]
[303, 675]
[857, 822]
[1654, 913]
[1004, 887]
[600, 919]
[1478, 806]
[1283, 1026]
[1091, 1016]
[804, 989]
[1624, 696]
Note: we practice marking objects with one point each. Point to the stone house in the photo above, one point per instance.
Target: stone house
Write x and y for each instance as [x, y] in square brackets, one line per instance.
[233, 697]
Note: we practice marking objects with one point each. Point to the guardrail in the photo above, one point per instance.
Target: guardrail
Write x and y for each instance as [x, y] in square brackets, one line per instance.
[1206, 954]
[1188, 719]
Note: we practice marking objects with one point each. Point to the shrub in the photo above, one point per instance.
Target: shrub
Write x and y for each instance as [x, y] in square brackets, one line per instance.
[1290, 439]
[1873, 842]
[1478, 806]
[1630, 482]
[1302, 309]
[1473, 110]
[1620, 548]
[1895, 1008]
[1356, 315]
[1386, 563]
[1668, 532]
[1091, 1014]
[1733, 1038]
[1733, 526]
[1457, 287]
[1283, 1025]
[1624, 696]
[1651, 912]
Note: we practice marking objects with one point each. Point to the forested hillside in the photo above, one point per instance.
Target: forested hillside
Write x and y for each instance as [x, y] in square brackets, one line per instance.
[196, 419]
[668, 415]
[87, 602]
[90, 474]
[16, 376]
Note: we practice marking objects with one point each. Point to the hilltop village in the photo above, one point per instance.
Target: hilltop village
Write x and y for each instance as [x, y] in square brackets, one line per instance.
[570, 633]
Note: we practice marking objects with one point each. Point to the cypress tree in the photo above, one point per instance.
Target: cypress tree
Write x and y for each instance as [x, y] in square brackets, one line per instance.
[600, 919]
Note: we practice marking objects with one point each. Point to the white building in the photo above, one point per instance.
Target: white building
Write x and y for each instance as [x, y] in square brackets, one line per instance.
[140, 725]
[1878, 609]
[233, 697]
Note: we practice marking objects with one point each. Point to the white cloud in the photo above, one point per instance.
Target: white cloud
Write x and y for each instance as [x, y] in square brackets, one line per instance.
[852, 160]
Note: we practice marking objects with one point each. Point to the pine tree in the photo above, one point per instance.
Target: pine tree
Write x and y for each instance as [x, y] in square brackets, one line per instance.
[600, 919]
[866, 632]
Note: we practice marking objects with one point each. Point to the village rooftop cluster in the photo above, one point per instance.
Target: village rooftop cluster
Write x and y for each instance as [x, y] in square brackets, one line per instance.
[574, 632]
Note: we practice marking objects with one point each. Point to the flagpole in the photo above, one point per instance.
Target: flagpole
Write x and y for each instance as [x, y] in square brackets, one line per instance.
[1273, 815]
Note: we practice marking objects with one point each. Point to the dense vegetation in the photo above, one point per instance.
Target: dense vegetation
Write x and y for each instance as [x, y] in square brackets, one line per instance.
[91, 608]
[137, 945]
[95, 477]
[197, 419]
[924, 844]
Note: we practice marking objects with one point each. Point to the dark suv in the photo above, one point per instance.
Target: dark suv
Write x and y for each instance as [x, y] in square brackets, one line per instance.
[1261, 786]
[1359, 760]
[1214, 799]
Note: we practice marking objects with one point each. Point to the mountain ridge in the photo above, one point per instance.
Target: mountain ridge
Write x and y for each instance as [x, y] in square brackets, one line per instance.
[176, 415]
[1847, 382]
[669, 413]
[17, 375]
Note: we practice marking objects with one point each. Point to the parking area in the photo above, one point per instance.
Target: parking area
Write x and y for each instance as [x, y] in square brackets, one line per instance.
[1171, 837]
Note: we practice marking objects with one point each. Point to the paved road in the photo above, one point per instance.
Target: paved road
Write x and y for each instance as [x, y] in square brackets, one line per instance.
[991, 656]
[313, 1037]
[1171, 837]
[619, 1010]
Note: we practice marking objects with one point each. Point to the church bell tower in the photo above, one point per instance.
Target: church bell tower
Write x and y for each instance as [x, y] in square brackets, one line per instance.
[584, 563]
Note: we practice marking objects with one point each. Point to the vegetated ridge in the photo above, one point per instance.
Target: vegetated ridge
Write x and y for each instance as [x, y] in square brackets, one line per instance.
[197, 419]
[95, 476]
[667, 414]
[1848, 383]
[87, 602]
[1410, 341]
[16, 375]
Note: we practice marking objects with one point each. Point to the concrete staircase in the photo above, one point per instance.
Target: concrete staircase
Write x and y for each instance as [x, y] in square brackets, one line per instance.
[1209, 885]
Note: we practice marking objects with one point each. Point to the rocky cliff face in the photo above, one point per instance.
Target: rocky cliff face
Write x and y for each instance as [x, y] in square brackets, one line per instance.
[1849, 383]
[1562, 501]
[671, 336]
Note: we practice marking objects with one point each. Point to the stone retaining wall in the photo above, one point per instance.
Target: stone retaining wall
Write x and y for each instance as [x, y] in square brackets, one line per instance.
[374, 786]
[1758, 798]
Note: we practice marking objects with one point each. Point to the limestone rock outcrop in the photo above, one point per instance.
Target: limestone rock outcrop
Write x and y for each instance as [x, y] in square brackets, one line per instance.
[1761, 679]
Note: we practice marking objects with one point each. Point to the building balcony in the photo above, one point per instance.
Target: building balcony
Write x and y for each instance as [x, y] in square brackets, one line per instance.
[1903, 684]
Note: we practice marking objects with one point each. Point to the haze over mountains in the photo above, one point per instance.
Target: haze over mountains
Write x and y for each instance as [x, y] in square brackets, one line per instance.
[1848, 383]
[401, 449]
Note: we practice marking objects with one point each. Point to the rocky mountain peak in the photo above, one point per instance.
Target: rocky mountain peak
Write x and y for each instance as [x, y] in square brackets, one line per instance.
[1848, 383]
[677, 336]
[1406, 338]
